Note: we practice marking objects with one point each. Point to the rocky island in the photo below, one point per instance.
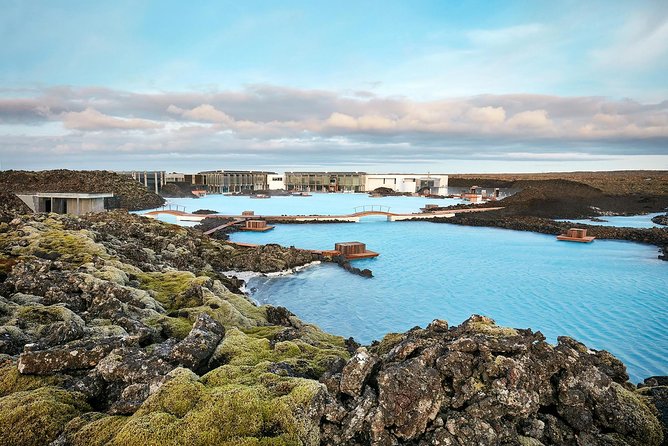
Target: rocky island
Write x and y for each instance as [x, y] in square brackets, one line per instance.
[120, 330]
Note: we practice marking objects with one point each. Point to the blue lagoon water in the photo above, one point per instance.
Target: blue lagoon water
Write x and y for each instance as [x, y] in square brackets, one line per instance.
[611, 295]
[318, 203]
[631, 221]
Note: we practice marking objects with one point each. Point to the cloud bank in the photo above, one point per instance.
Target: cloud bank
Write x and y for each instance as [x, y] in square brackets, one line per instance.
[272, 124]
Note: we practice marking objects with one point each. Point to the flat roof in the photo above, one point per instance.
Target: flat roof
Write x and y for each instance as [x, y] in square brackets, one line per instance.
[324, 173]
[70, 195]
[425, 175]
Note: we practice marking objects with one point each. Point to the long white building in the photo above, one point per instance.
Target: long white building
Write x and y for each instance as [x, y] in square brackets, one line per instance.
[237, 181]
[409, 182]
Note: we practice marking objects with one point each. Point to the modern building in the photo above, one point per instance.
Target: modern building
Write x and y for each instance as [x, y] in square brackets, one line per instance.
[152, 180]
[65, 203]
[224, 181]
[193, 179]
[435, 184]
[276, 182]
[325, 181]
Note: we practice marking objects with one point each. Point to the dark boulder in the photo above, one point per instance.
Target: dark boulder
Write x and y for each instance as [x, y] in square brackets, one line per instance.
[76, 355]
[194, 351]
[482, 384]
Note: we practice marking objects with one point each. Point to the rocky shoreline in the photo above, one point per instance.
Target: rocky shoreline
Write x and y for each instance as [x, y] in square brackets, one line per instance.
[121, 330]
[661, 220]
[540, 202]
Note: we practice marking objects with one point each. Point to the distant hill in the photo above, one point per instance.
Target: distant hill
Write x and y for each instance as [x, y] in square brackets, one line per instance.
[129, 194]
[650, 182]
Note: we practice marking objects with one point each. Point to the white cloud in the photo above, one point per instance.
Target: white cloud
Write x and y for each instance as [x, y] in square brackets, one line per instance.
[282, 125]
[530, 119]
[91, 119]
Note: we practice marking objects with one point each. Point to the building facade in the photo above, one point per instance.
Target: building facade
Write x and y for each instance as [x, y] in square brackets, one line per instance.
[276, 182]
[65, 203]
[435, 184]
[152, 180]
[225, 181]
[325, 181]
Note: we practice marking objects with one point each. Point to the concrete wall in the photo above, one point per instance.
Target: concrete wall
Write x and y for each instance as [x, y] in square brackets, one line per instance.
[276, 182]
[63, 205]
[30, 201]
[85, 205]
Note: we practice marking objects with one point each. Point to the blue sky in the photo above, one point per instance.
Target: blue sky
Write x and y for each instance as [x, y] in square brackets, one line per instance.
[467, 86]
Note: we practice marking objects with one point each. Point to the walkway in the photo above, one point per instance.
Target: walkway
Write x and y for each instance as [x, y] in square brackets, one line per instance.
[354, 217]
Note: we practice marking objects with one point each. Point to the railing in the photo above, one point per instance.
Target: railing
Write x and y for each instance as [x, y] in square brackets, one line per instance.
[173, 207]
[372, 208]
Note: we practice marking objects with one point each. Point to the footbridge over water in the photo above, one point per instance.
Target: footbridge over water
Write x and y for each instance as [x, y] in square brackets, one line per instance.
[358, 213]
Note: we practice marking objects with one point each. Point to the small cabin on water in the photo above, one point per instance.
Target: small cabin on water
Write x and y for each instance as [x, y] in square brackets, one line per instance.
[576, 235]
[256, 226]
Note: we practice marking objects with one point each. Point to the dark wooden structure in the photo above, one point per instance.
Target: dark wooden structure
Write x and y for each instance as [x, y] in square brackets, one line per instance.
[576, 235]
[256, 225]
[354, 250]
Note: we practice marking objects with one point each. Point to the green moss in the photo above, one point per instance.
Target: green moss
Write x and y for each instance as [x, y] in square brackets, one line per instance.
[178, 396]
[641, 416]
[153, 429]
[93, 429]
[37, 417]
[266, 331]
[241, 349]
[99, 432]
[171, 327]
[491, 329]
[187, 411]
[43, 315]
[12, 381]
[170, 287]
[73, 246]
[386, 344]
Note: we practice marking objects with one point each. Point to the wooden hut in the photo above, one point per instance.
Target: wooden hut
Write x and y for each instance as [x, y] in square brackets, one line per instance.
[354, 250]
[576, 235]
[257, 226]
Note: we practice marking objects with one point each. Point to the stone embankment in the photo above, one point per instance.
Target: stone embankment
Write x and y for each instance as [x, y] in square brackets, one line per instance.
[661, 220]
[120, 330]
[539, 202]
[652, 236]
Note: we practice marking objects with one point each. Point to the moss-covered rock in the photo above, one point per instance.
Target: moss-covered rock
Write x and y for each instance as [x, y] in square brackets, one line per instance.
[174, 289]
[295, 357]
[187, 412]
[12, 381]
[37, 417]
[93, 429]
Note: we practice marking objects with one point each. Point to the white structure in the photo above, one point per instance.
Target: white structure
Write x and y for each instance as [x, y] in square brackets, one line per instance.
[65, 203]
[275, 181]
[408, 183]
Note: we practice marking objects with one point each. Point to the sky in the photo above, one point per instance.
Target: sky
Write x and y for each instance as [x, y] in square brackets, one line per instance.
[470, 86]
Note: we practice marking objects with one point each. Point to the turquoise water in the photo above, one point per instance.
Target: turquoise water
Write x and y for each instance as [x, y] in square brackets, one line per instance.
[610, 295]
[632, 221]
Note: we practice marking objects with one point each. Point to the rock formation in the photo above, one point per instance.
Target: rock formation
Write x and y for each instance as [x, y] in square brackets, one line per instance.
[661, 220]
[482, 384]
[121, 330]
